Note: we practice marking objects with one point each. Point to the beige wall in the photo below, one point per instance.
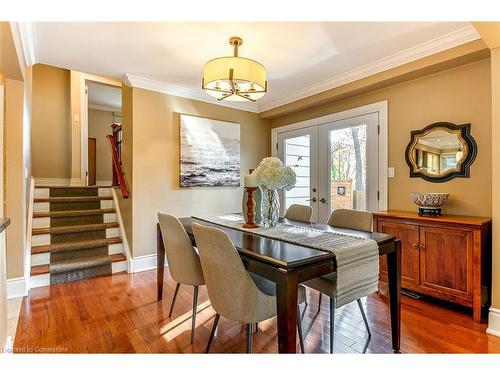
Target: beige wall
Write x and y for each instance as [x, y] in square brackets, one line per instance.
[15, 183]
[495, 90]
[50, 132]
[459, 95]
[156, 162]
[99, 127]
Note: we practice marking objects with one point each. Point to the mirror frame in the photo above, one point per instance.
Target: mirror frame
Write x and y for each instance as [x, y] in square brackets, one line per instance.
[464, 136]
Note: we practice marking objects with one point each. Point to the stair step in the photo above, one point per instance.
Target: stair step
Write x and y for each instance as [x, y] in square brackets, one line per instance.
[74, 213]
[44, 269]
[76, 245]
[90, 198]
[74, 228]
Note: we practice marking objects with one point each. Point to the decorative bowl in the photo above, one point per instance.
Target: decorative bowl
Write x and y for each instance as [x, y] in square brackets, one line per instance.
[429, 200]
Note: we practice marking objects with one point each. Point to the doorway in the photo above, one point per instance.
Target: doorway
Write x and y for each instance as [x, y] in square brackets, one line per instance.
[103, 115]
[340, 161]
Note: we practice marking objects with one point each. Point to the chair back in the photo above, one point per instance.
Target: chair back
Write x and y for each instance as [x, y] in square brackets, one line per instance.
[351, 219]
[232, 292]
[183, 260]
[299, 212]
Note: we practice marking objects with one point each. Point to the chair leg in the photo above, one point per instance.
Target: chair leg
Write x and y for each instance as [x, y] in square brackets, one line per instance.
[333, 306]
[364, 317]
[212, 333]
[173, 299]
[195, 306]
[249, 338]
[319, 302]
[299, 328]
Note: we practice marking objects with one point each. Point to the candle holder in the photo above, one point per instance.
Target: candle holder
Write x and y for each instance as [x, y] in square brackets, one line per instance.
[250, 222]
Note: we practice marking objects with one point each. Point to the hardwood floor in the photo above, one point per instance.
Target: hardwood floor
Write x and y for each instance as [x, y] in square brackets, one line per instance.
[120, 314]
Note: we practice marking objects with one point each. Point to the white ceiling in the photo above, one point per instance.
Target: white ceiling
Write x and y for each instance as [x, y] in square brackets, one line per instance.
[301, 58]
[104, 97]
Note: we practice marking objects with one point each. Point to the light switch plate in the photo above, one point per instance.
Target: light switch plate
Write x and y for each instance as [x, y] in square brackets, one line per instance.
[390, 172]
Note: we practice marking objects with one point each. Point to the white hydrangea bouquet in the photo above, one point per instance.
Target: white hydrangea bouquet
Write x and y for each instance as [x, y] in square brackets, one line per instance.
[272, 175]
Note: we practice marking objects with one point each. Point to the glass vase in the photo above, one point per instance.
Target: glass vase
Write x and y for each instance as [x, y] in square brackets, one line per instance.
[270, 207]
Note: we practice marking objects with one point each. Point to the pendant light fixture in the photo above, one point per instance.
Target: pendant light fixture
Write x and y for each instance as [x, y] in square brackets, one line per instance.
[234, 78]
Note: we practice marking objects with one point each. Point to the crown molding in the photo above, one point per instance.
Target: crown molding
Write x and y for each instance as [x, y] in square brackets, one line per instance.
[24, 35]
[442, 43]
[167, 88]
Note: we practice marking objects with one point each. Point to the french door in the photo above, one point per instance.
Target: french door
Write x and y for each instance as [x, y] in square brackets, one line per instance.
[337, 165]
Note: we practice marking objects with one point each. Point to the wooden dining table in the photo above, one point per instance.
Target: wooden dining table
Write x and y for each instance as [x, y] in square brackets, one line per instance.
[289, 264]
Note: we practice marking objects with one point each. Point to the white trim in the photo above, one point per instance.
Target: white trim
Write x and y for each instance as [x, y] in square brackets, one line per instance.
[439, 44]
[494, 322]
[104, 182]
[105, 108]
[29, 235]
[56, 181]
[75, 181]
[84, 130]
[378, 107]
[184, 92]
[16, 287]
[24, 35]
[144, 263]
[123, 235]
[39, 280]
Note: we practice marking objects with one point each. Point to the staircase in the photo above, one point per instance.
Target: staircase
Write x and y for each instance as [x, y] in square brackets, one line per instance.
[75, 235]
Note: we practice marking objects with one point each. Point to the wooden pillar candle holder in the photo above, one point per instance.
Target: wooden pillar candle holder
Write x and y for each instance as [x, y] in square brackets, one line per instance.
[250, 223]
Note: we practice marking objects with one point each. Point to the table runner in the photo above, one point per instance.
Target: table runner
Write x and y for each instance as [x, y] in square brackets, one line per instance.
[357, 258]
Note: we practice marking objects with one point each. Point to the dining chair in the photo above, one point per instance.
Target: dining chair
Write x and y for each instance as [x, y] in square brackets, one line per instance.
[232, 292]
[182, 259]
[299, 212]
[348, 219]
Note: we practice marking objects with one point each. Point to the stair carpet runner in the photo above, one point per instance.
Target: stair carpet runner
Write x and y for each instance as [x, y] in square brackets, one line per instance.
[74, 230]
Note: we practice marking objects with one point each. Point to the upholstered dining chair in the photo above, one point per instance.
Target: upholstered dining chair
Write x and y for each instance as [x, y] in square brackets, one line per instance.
[348, 219]
[232, 292]
[299, 212]
[183, 260]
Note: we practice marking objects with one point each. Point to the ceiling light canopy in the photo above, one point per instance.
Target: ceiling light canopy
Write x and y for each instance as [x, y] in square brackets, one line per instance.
[234, 78]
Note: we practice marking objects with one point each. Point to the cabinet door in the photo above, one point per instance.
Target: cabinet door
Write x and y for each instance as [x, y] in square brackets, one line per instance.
[408, 234]
[446, 260]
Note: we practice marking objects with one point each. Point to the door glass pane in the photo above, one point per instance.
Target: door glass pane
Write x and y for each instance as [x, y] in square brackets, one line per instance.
[348, 168]
[297, 155]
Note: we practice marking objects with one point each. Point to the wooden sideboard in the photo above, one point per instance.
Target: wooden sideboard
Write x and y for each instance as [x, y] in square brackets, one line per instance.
[447, 257]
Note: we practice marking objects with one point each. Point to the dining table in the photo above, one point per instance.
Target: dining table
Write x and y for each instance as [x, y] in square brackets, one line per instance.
[288, 265]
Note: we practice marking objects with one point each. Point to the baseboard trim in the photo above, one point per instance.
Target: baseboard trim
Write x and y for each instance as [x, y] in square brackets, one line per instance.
[52, 181]
[494, 322]
[144, 263]
[75, 181]
[16, 287]
[104, 182]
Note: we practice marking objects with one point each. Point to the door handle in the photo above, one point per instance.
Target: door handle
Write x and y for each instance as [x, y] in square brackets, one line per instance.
[322, 200]
[416, 245]
[313, 199]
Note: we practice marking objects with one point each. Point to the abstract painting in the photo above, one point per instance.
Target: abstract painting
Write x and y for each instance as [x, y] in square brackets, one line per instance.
[209, 152]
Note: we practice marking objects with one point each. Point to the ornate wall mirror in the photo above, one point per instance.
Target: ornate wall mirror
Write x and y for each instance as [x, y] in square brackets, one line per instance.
[441, 152]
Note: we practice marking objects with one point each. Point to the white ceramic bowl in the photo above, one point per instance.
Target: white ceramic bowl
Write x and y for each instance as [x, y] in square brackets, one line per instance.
[429, 200]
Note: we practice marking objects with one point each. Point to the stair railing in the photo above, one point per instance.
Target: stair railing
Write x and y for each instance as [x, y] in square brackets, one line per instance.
[117, 167]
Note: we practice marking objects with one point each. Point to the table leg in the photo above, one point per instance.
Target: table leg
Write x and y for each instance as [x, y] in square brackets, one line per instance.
[160, 262]
[394, 275]
[286, 303]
